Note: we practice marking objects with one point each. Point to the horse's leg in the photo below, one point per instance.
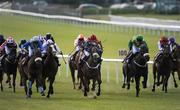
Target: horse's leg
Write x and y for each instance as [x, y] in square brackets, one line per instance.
[14, 82]
[73, 78]
[25, 86]
[175, 84]
[158, 79]
[137, 79]
[9, 80]
[40, 84]
[144, 83]
[125, 76]
[128, 82]
[1, 79]
[51, 91]
[93, 85]
[99, 85]
[29, 91]
[85, 83]
[166, 82]
[154, 76]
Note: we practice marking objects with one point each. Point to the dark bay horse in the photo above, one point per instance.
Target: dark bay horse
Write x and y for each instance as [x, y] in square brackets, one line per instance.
[73, 65]
[9, 66]
[35, 69]
[50, 69]
[23, 70]
[176, 63]
[162, 69]
[136, 68]
[91, 70]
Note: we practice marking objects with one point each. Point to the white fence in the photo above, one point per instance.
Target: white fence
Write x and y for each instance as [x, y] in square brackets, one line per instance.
[107, 61]
[113, 26]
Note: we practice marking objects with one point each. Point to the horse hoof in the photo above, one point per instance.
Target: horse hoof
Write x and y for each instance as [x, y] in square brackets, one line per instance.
[52, 92]
[98, 94]
[47, 96]
[123, 86]
[7, 81]
[153, 90]
[10, 86]
[137, 95]
[85, 95]
[94, 97]
[175, 85]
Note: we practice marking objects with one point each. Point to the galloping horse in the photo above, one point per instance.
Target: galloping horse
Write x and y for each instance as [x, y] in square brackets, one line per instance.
[73, 65]
[136, 68]
[91, 70]
[162, 69]
[9, 66]
[176, 63]
[35, 69]
[50, 69]
[23, 70]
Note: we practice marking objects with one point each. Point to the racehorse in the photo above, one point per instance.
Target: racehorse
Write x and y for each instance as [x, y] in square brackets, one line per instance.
[23, 70]
[136, 68]
[9, 66]
[73, 65]
[176, 63]
[91, 70]
[35, 69]
[50, 68]
[162, 69]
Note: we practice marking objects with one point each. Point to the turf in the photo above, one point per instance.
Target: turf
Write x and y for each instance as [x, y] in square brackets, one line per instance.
[65, 98]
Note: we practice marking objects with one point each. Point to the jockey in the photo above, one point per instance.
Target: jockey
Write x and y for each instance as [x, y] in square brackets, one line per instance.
[79, 44]
[134, 47]
[55, 49]
[21, 49]
[2, 40]
[162, 43]
[33, 44]
[49, 36]
[172, 43]
[7, 45]
[91, 41]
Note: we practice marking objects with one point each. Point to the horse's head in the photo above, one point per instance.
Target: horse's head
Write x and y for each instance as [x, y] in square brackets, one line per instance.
[11, 57]
[95, 53]
[176, 52]
[145, 52]
[166, 56]
[37, 56]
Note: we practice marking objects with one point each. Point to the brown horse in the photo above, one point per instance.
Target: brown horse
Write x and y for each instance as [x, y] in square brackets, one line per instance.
[73, 65]
[35, 69]
[23, 70]
[176, 63]
[162, 69]
[50, 69]
[9, 66]
[91, 71]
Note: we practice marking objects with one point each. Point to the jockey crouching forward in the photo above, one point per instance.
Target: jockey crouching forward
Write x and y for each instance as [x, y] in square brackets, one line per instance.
[32, 45]
[162, 44]
[79, 44]
[134, 47]
[91, 41]
[55, 49]
[7, 46]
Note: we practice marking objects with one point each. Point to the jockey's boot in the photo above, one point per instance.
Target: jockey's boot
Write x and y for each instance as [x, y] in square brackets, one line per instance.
[83, 60]
[56, 58]
[157, 57]
[26, 59]
[74, 55]
[129, 57]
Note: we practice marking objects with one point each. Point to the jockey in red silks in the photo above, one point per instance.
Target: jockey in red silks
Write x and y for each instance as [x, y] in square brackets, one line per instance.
[91, 41]
[162, 43]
